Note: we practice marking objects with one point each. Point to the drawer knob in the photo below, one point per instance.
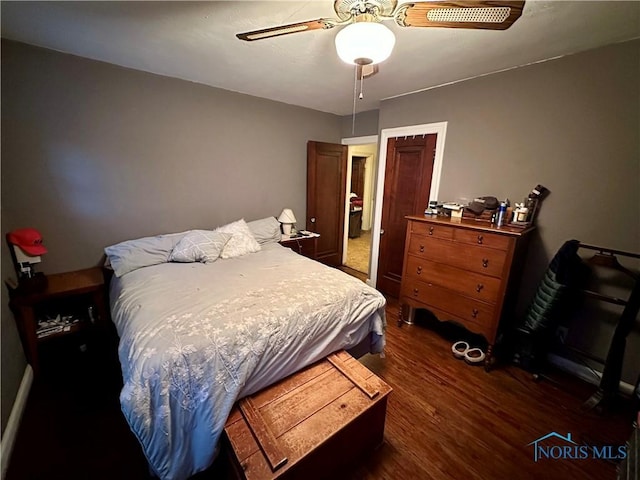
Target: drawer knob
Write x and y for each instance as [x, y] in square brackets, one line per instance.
[430, 230]
[480, 238]
[415, 292]
[479, 287]
[419, 270]
[485, 262]
[474, 312]
[421, 248]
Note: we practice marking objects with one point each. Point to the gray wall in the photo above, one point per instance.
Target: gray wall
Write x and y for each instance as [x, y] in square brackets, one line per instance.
[93, 154]
[366, 124]
[11, 355]
[571, 124]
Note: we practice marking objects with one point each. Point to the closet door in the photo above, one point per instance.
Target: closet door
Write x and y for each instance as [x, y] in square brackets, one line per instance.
[407, 184]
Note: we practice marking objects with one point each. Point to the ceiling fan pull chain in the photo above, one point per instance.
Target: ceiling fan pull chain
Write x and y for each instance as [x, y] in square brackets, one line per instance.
[361, 96]
[355, 89]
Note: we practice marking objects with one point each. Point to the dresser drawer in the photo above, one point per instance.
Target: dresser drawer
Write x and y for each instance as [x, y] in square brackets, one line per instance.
[461, 307]
[486, 261]
[490, 240]
[474, 285]
[435, 231]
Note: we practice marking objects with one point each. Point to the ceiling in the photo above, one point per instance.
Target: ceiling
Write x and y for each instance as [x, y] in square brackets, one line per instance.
[196, 41]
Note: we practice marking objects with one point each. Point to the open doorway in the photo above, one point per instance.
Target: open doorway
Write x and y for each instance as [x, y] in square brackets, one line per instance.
[359, 208]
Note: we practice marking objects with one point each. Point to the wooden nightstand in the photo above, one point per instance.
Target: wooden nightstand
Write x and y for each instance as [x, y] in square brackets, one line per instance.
[306, 245]
[80, 295]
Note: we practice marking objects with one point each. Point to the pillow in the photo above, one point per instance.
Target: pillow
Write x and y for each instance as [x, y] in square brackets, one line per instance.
[131, 255]
[241, 242]
[200, 246]
[265, 230]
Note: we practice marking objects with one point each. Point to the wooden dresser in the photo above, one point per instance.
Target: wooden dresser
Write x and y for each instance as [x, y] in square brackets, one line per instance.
[462, 270]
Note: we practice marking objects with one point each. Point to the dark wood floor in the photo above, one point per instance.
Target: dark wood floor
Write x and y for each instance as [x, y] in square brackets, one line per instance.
[445, 419]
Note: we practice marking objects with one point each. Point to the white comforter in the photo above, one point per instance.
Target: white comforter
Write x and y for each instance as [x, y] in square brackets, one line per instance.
[196, 337]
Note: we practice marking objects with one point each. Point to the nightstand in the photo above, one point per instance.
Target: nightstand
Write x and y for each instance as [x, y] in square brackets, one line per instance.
[78, 296]
[306, 245]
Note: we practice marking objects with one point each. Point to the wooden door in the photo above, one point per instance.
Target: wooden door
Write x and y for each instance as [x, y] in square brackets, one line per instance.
[326, 186]
[407, 184]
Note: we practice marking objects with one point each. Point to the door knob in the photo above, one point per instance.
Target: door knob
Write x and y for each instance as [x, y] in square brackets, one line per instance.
[313, 220]
[382, 231]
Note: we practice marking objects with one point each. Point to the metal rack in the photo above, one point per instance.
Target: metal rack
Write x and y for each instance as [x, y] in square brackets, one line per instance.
[608, 387]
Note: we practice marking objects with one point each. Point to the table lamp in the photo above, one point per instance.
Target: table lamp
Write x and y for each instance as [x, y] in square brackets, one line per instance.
[287, 219]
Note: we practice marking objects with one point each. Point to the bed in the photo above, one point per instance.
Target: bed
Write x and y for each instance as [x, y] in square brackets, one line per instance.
[195, 337]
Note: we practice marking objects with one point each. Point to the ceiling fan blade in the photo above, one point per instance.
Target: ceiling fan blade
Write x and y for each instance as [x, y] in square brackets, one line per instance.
[485, 15]
[286, 29]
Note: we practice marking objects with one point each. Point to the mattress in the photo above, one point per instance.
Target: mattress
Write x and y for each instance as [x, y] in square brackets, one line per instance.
[196, 337]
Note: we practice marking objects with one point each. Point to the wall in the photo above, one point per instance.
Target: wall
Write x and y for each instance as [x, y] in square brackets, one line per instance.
[366, 124]
[12, 358]
[571, 124]
[93, 154]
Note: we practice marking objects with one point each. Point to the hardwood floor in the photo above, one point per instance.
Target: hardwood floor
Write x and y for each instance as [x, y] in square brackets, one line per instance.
[445, 419]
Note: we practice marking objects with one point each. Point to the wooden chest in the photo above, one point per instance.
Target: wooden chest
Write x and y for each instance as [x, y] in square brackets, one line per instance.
[310, 425]
[463, 271]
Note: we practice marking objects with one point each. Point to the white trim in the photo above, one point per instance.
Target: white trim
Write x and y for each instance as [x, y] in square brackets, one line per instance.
[585, 373]
[360, 140]
[345, 227]
[11, 430]
[440, 129]
[352, 141]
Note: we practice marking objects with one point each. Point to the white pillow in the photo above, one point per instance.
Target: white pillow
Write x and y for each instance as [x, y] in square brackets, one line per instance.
[200, 246]
[241, 242]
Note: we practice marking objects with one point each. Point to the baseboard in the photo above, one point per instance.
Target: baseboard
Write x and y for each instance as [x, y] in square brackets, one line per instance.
[585, 373]
[11, 430]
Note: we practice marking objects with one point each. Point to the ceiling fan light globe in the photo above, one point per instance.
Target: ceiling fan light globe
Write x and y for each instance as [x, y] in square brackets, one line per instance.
[364, 43]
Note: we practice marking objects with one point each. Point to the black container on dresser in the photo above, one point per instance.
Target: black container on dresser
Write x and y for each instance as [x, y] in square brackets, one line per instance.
[463, 270]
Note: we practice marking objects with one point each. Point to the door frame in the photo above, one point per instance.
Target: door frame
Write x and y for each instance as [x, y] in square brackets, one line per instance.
[440, 129]
[353, 142]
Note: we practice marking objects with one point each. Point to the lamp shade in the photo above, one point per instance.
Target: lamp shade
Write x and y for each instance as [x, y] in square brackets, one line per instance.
[364, 43]
[287, 216]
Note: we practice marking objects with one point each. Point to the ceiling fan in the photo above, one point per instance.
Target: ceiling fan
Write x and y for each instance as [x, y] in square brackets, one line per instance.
[365, 41]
